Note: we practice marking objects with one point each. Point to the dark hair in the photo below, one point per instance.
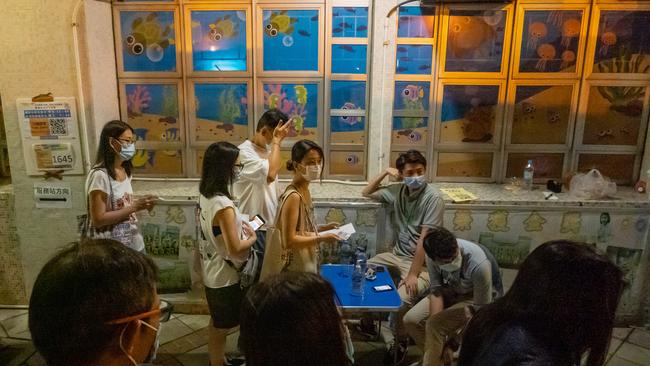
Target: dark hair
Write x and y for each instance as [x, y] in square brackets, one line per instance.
[271, 119]
[105, 153]
[218, 173]
[410, 157]
[566, 292]
[84, 286]
[440, 243]
[291, 319]
[300, 149]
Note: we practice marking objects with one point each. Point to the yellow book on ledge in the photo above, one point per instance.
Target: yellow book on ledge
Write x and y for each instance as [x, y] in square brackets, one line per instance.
[459, 194]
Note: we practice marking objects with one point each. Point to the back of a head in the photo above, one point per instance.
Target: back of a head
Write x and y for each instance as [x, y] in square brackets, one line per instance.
[440, 243]
[291, 319]
[271, 119]
[79, 290]
[570, 292]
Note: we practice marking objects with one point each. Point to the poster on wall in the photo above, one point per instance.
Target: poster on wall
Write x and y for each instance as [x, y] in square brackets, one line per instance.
[50, 135]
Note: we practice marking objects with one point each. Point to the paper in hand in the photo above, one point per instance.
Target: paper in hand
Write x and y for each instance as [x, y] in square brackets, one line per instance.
[344, 232]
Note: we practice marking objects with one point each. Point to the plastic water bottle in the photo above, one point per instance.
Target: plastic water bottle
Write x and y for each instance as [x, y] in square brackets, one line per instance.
[345, 253]
[529, 170]
[358, 279]
[361, 259]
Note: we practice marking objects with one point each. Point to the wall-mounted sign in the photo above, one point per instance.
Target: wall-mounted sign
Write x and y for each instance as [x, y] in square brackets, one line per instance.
[50, 135]
[52, 195]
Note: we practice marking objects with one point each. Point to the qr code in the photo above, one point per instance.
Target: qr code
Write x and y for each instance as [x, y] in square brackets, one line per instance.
[58, 127]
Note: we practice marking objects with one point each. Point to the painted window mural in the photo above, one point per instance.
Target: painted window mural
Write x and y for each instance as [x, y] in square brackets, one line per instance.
[416, 22]
[147, 41]
[290, 40]
[550, 40]
[410, 113]
[541, 114]
[349, 98]
[623, 42]
[464, 165]
[218, 40]
[414, 59]
[475, 40]
[547, 165]
[299, 102]
[221, 111]
[468, 113]
[349, 58]
[350, 22]
[153, 111]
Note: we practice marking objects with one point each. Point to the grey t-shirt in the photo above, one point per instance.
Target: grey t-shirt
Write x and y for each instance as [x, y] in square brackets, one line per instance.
[411, 212]
[474, 276]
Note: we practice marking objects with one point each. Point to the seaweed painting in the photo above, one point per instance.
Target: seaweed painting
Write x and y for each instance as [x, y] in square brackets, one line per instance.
[229, 108]
[624, 99]
[292, 99]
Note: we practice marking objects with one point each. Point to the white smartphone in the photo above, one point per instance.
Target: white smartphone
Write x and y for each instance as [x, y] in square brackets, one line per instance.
[256, 222]
[382, 288]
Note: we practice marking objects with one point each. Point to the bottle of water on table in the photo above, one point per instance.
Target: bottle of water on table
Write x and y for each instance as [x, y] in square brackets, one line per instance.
[362, 259]
[345, 253]
[529, 171]
[358, 279]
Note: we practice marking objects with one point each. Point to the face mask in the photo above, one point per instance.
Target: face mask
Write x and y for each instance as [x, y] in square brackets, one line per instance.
[152, 352]
[127, 152]
[312, 172]
[414, 182]
[454, 265]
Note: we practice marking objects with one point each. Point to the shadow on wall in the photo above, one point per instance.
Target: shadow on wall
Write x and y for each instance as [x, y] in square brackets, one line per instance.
[5, 174]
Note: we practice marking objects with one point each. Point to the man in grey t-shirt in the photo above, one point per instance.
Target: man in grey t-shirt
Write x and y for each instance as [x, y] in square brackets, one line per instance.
[416, 208]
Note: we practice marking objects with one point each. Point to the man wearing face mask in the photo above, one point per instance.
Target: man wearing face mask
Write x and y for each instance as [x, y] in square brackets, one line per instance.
[461, 274]
[95, 303]
[257, 187]
[416, 208]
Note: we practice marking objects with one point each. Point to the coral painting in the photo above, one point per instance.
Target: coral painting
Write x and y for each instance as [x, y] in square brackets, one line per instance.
[221, 111]
[148, 41]
[623, 43]
[218, 40]
[299, 102]
[290, 40]
[468, 113]
[550, 40]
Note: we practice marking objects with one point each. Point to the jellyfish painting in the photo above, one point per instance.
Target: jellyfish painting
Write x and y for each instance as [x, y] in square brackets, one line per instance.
[568, 57]
[545, 52]
[492, 17]
[536, 31]
[607, 39]
[570, 30]
[556, 18]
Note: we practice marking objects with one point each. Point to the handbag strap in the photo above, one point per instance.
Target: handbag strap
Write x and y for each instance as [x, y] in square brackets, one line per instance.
[303, 207]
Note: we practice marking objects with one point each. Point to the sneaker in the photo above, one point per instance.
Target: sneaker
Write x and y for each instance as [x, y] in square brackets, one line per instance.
[397, 353]
[234, 361]
[367, 328]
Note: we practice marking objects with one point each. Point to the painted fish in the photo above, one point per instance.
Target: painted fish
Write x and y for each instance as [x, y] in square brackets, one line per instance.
[362, 28]
[280, 22]
[349, 10]
[405, 59]
[170, 134]
[415, 136]
[404, 132]
[349, 120]
[401, 69]
[337, 30]
[301, 94]
[141, 158]
[314, 18]
[223, 28]
[346, 47]
[304, 33]
[528, 108]
[148, 37]
[424, 67]
[553, 116]
[227, 127]
[413, 92]
[170, 120]
[345, 25]
[401, 49]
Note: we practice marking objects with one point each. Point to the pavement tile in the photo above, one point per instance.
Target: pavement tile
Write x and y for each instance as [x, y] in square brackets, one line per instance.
[16, 324]
[173, 329]
[640, 337]
[633, 353]
[196, 322]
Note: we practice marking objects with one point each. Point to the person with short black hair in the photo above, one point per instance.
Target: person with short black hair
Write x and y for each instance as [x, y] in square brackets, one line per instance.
[294, 242]
[291, 319]
[257, 186]
[95, 303]
[225, 245]
[560, 310]
[417, 207]
[463, 277]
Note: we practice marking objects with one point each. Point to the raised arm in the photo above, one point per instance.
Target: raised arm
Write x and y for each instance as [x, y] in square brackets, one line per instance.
[374, 184]
[275, 160]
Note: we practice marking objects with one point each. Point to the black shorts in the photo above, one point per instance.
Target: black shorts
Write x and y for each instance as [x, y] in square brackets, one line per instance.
[224, 304]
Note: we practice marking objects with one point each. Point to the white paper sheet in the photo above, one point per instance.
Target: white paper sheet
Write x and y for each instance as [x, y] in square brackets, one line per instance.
[344, 231]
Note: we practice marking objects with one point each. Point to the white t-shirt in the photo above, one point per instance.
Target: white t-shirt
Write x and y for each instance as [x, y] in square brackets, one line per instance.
[256, 196]
[127, 231]
[217, 272]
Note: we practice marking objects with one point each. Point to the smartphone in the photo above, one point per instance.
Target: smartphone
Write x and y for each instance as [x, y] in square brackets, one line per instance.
[382, 288]
[256, 222]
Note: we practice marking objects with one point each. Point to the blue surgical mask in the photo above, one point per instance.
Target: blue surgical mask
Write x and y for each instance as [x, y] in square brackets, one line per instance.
[127, 152]
[414, 182]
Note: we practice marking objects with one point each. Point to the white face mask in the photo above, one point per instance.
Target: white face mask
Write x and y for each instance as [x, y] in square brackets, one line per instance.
[152, 352]
[414, 182]
[454, 265]
[312, 172]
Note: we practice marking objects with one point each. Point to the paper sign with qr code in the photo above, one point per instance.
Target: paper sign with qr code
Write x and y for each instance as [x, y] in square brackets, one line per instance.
[48, 120]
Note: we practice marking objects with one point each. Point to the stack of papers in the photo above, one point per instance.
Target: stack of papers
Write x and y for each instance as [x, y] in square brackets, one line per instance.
[344, 232]
[459, 194]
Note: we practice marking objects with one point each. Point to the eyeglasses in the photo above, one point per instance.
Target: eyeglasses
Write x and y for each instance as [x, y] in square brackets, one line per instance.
[164, 311]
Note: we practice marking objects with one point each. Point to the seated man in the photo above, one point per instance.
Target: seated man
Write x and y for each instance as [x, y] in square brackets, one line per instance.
[461, 274]
[416, 208]
[95, 303]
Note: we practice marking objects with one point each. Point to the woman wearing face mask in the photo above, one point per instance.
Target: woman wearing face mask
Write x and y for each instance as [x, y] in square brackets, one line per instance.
[225, 246]
[293, 243]
[108, 186]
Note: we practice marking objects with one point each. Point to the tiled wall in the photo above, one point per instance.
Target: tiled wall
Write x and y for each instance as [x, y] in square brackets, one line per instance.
[12, 290]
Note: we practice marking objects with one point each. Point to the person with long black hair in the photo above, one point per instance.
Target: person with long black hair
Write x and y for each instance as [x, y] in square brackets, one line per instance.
[226, 242]
[111, 204]
[560, 309]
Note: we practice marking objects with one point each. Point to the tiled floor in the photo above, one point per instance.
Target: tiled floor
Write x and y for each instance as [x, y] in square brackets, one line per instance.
[183, 343]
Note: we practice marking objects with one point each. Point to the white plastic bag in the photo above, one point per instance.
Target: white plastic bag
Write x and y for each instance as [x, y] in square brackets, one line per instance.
[592, 185]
